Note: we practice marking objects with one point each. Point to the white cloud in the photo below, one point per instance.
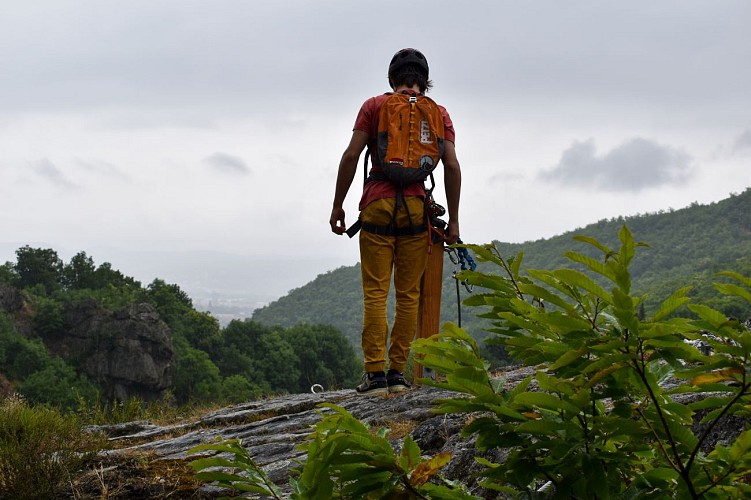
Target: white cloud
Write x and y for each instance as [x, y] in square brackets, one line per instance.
[635, 165]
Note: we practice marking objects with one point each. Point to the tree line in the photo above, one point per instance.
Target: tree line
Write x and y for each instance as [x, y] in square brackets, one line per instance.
[242, 361]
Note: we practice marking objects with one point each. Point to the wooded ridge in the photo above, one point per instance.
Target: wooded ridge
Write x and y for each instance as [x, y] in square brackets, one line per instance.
[686, 247]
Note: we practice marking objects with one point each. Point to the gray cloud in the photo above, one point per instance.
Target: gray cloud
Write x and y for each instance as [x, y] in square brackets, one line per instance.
[45, 168]
[102, 168]
[742, 144]
[635, 165]
[225, 163]
[226, 56]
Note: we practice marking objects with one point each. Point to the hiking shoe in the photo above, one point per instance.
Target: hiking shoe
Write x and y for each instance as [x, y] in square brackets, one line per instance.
[373, 383]
[396, 382]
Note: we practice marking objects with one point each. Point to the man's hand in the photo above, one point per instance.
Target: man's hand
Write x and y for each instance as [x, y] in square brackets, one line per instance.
[347, 170]
[337, 221]
[451, 235]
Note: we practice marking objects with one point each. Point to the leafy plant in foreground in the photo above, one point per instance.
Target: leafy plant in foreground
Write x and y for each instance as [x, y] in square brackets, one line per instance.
[239, 473]
[597, 419]
[344, 460]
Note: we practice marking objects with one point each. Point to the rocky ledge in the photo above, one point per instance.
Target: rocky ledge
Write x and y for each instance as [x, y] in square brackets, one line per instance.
[149, 460]
[271, 429]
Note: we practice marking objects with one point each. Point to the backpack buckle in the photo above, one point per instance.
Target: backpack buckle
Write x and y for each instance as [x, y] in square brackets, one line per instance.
[413, 98]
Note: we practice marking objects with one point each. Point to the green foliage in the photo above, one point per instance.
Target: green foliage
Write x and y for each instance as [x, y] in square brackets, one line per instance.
[335, 296]
[80, 273]
[8, 273]
[98, 412]
[309, 354]
[40, 449]
[19, 356]
[41, 377]
[101, 412]
[344, 459]
[277, 362]
[238, 363]
[37, 266]
[243, 351]
[595, 419]
[169, 300]
[324, 357]
[239, 473]
[201, 329]
[57, 384]
[48, 317]
[196, 377]
[238, 388]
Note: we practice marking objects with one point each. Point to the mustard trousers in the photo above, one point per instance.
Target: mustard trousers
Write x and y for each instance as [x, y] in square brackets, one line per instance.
[407, 257]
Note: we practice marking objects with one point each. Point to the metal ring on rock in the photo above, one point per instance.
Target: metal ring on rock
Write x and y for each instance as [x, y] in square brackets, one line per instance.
[316, 389]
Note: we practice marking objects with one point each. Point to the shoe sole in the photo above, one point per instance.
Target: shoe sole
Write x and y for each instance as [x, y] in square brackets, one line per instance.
[380, 390]
[398, 388]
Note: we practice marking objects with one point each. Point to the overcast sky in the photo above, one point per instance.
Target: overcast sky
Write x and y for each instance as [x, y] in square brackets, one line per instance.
[218, 125]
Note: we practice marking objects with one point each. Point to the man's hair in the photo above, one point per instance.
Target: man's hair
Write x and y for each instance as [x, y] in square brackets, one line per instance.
[410, 75]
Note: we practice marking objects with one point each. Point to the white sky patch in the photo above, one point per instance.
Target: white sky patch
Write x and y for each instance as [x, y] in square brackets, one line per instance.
[633, 166]
[226, 163]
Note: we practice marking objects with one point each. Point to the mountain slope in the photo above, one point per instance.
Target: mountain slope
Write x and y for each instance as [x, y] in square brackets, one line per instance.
[686, 246]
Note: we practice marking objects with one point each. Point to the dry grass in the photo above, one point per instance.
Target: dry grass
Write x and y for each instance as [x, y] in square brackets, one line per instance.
[401, 428]
[137, 475]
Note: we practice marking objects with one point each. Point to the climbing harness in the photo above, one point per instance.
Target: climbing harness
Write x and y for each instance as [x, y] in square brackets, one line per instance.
[400, 202]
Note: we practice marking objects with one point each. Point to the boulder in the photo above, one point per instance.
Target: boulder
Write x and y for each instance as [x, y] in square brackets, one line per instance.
[127, 352]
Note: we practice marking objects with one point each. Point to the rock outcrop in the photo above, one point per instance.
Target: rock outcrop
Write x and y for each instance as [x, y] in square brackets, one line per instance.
[10, 298]
[271, 430]
[127, 352]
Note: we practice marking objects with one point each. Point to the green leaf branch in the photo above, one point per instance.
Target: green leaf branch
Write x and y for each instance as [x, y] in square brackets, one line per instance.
[597, 419]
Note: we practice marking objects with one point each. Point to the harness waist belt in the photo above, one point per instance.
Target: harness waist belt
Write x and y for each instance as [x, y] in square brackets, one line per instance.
[388, 230]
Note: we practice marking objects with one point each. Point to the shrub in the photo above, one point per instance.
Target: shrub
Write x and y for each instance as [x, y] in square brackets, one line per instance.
[48, 318]
[597, 419]
[58, 384]
[39, 449]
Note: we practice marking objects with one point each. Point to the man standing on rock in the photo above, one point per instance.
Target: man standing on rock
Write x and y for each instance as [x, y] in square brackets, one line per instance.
[395, 227]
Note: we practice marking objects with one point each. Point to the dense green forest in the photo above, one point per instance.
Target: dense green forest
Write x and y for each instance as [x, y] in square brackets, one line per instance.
[686, 246]
[239, 362]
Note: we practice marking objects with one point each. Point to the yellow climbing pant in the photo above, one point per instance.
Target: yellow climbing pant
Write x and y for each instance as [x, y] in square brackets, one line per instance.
[379, 255]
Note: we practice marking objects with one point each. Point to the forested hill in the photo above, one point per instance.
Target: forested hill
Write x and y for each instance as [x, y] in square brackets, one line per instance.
[686, 247]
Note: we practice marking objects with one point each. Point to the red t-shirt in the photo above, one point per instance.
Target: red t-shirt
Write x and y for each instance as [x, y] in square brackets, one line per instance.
[367, 121]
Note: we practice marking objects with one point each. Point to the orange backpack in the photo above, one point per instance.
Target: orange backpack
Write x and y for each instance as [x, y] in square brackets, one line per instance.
[409, 146]
[410, 138]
